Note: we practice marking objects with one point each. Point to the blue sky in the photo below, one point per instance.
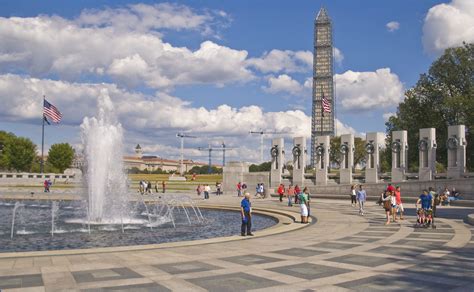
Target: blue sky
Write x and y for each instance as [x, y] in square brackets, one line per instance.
[378, 64]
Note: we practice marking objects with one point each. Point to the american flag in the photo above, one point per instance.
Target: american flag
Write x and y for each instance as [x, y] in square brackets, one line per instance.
[326, 105]
[51, 112]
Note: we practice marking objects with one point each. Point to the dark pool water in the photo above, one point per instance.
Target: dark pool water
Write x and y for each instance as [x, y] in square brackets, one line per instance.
[33, 228]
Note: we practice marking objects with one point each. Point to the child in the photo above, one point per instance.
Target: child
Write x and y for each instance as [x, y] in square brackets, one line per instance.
[393, 202]
[420, 217]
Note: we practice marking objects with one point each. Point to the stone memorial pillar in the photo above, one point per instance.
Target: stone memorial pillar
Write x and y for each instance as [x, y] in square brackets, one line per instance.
[322, 159]
[233, 173]
[399, 155]
[375, 142]
[427, 154]
[347, 162]
[277, 153]
[299, 160]
[456, 145]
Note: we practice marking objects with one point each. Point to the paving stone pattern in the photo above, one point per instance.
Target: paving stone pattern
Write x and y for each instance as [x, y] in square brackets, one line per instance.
[343, 251]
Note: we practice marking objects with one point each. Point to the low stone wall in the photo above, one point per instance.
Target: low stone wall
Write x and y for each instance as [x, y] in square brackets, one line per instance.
[26, 178]
[238, 171]
[409, 189]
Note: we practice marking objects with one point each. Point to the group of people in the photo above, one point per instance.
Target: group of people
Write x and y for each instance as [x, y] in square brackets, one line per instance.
[260, 191]
[47, 185]
[392, 203]
[358, 197]
[145, 187]
[241, 189]
[206, 189]
[298, 196]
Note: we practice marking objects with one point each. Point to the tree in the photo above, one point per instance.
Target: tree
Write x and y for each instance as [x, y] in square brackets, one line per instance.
[265, 166]
[60, 156]
[4, 137]
[204, 170]
[18, 153]
[335, 156]
[444, 96]
[359, 151]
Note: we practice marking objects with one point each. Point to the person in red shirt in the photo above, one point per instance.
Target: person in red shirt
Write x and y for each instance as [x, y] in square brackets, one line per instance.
[398, 198]
[290, 193]
[281, 191]
[297, 192]
[239, 189]
[390, 188]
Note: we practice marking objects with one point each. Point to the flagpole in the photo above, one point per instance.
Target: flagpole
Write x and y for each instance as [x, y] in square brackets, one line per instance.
[42, 141]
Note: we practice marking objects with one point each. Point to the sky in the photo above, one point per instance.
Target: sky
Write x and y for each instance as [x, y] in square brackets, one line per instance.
[213, 69]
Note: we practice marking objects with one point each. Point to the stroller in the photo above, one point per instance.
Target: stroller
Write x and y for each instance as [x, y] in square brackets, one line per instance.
[424, 218]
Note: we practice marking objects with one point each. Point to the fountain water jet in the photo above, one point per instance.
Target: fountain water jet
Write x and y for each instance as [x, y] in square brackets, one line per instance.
[103, 150]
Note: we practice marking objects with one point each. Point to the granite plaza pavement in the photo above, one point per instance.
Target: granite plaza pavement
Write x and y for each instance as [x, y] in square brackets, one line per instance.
[339, 251]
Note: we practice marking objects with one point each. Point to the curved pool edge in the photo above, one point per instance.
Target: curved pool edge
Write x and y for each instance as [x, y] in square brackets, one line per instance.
[286, 222]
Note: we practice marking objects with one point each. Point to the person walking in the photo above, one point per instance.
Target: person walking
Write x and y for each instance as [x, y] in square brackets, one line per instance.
[361, 198]
[393, 202]
[207, 189]
[308, 196]
[353, 196]
[303, 201]
[46, 186]
[297, 191]
[290, 194]
[163, 185]
[387, 204]
[239, 189]
[281, 191]
[218, 188]
[246, 216]
[398, 198]
[257, 190]
[148, 188]
[156, 186]
[199, 190]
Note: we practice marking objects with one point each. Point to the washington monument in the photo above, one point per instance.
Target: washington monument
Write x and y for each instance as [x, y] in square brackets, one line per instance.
[322, 123]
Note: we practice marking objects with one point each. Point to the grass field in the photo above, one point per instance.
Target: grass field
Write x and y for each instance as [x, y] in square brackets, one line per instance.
[187, 185]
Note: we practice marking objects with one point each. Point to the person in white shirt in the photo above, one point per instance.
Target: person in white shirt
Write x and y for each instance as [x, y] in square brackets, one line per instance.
[207, 190]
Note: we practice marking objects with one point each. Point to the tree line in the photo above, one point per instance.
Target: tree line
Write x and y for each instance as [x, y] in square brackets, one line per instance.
[20, 154]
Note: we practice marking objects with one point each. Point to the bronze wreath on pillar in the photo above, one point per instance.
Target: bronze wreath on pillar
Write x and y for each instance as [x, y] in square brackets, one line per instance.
[369, 148]
[452, 143]
[344, 149]
[319, 150]
[423, 145]
[396, 147]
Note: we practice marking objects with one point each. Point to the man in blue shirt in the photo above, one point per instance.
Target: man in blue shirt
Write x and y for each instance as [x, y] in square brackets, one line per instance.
[426, 200]
[246, 212]
[361, 198]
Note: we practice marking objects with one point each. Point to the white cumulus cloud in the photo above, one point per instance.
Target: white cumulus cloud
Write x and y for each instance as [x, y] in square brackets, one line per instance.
[286, 84]
[338, 56]
[393, 26]
[368, 90]
[53, 46]
[286, 61]
[138, 111]
[144, 17]
[387, 116]
[448, 25]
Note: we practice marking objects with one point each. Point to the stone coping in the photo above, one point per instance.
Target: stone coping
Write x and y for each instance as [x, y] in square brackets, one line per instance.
[286, 223]
[470, 219]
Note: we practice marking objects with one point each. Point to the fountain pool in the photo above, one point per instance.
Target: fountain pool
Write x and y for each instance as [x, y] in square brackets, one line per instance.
[34, 231]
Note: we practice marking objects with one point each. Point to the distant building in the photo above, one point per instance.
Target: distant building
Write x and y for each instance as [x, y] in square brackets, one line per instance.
[147, 162]
[323, 85]
[152, 163]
